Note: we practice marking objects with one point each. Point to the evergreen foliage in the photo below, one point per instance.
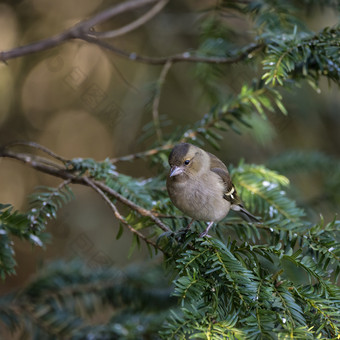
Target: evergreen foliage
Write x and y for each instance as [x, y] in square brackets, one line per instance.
[60, 301]
[12, 223]
[239, 284]
[311, 163]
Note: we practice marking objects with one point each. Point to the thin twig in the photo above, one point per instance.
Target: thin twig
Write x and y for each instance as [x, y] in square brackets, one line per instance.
[109, 13]
[133, 25]
[38, 147]
[155, 104]
[190, 134]
[181, 57]
[117, 214]
[121, 75]
[33, 160]
[142, 211]
[142, 154]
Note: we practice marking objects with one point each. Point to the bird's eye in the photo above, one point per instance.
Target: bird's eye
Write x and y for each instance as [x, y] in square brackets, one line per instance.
[187, 161]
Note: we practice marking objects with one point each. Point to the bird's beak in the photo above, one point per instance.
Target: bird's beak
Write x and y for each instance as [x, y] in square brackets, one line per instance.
[175, 170]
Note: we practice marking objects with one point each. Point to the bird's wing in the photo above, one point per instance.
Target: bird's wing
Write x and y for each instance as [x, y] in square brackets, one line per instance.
[215, 162]
[218, 167]
[230, 194]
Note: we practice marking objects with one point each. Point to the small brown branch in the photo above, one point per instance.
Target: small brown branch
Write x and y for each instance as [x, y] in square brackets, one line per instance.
[83, 31]
[142, 211]
[33, 160]
[109, 13]
[67, 175]
[38, 147]
[133, 25]
[142, 154]
[79, 31]
[181, 57]
[38, 46]
[187, 136]
[190, 134]
[155, 104]
[117, 214]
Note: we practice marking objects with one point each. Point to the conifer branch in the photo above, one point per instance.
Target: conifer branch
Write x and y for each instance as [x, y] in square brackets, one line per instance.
[67, 174]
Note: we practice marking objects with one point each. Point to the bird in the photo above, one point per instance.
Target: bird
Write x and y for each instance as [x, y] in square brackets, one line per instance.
[199, 184]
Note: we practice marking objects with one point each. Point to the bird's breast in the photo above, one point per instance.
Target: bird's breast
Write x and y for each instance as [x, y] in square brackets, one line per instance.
[201, 199]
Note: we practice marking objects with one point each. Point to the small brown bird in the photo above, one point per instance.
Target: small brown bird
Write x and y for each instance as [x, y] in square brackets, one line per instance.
[200, 186]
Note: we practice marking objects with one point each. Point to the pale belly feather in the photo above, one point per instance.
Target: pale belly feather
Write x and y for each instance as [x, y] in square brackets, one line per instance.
[200, 203]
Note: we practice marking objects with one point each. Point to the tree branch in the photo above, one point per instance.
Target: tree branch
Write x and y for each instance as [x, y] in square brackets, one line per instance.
[38, 147]
[156, 101]
[56, 171]
[142, 154]
[83, 32]
[109, 13]
[79, 31]
[180, 57]
[133, 25]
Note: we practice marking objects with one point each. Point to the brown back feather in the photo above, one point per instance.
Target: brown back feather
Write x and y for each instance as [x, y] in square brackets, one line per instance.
[230, 194]
[217, 166]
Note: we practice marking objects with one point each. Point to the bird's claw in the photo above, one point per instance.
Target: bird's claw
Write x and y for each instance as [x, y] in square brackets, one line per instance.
[204, 234]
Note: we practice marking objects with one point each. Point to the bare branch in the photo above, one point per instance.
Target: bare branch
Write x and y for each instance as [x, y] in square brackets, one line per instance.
[155, 104]
[117, 214]
[109, 13]
[38, 147]
[133, 25]
[80, 31]
[142, 154]
[38, 46]
[142, 211]
[181, 57]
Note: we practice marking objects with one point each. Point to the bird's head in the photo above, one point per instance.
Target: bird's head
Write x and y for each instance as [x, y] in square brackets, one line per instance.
[186, 160]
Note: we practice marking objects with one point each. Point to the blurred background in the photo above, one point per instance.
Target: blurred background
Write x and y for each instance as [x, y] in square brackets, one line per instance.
[81, 101]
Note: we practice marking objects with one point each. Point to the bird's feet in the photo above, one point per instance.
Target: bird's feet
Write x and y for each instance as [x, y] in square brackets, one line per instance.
[205, 232]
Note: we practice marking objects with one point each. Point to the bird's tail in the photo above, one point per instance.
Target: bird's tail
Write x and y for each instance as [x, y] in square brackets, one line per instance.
[244, 213]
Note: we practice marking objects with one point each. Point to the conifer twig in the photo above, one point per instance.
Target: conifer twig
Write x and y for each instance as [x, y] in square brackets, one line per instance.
[133, 25]
[156, 101]
[117, 214]
[142, 154]
[176, 58]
